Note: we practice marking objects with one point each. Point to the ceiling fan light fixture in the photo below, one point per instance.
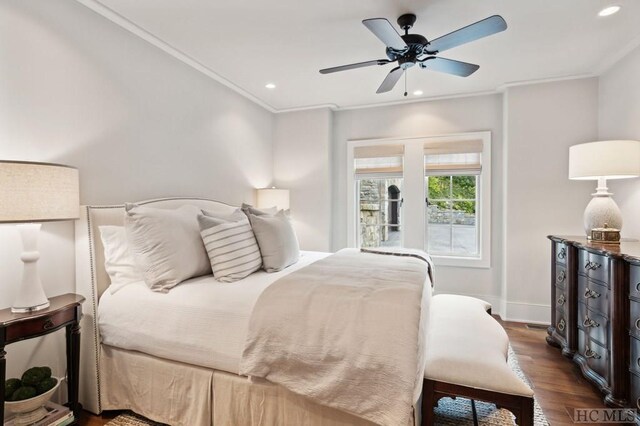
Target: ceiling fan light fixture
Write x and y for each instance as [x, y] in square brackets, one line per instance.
[609, 10]
[418, 92]
[270, 86]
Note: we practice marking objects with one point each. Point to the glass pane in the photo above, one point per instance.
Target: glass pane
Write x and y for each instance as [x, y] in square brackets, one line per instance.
[464, 213]
[439, 212]
[380, 214]
[438, 187]
[464, 187]
[464, 240]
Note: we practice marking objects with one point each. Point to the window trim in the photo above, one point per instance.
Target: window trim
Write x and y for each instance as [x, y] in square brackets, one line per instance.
[484, 194]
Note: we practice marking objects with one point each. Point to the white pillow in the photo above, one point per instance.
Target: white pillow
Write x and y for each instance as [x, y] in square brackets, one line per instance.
[166, 244]
[277, 240]
[231, 245]
[249, 209]
[118, 260]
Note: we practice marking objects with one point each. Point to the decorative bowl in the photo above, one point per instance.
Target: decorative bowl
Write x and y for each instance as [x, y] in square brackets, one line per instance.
[30, 410]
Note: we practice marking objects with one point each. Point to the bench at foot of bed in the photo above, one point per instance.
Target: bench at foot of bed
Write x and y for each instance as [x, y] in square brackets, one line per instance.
[467, 357]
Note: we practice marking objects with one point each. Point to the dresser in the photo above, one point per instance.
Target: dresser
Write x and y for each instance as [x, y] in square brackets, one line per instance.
[595, 313]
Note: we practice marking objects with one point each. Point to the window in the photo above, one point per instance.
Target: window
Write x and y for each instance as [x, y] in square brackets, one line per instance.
[431, 193]
[378, 173]
[452, 190]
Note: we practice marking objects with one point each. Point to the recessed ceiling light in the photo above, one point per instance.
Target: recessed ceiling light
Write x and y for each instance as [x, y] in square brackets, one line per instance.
[608, 11]
[417, 92]
[270, 86]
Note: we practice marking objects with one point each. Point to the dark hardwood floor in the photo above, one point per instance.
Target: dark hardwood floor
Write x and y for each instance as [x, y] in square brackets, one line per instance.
[557, 382]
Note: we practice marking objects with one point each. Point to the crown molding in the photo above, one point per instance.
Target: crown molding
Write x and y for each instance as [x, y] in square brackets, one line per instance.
[609, 61]
[123, 22]
[502, 88]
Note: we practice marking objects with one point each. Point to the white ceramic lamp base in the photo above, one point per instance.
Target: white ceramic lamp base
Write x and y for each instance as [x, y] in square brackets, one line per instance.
[31, 296]
[601, 210]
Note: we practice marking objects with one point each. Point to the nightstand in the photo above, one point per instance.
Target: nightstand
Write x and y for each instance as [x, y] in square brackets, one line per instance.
[64, 311]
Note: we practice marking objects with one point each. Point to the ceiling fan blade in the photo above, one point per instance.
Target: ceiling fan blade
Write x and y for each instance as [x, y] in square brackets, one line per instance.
[390, 80]
[383, 29]
[354, 66]
[462, 69]
[486, 27]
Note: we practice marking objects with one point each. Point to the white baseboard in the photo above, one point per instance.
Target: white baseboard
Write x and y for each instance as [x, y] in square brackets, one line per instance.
[532, 313]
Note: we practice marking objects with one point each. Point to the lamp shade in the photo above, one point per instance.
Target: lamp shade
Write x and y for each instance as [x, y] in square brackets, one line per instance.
[617, 159]
[269, 197]
[38, 192]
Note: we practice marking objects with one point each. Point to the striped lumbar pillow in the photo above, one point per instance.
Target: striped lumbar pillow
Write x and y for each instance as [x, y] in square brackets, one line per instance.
[231, 245]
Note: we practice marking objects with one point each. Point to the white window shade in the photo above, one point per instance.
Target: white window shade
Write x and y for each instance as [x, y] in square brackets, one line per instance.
[379, 160]
[453, 158]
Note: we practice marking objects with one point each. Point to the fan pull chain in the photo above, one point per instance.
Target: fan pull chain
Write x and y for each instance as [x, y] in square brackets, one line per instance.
[405, 83]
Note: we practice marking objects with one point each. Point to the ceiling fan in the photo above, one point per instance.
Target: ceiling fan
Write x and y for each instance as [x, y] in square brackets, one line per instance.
[411, 49]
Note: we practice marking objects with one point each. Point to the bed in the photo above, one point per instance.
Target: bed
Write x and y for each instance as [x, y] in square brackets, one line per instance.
[174, 358]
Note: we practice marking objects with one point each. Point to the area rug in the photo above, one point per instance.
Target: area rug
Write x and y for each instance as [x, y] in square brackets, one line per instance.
[450, 412]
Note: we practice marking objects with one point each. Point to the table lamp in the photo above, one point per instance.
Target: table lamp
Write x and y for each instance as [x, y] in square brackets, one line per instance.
[31, 193]
[615, 159]
[269, 197]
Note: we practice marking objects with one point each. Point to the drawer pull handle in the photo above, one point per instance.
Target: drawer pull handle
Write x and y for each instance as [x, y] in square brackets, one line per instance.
[561, 324]
[563, 253]
[590, 294]
[638, 287]
[638, 323]
[592, 266]
[591, 354]
[588, 322]
[48, 324]
[638, 403]
[561, 276]
[561, 300]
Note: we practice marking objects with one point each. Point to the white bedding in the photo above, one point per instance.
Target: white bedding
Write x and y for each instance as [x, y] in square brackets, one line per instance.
[201, 321]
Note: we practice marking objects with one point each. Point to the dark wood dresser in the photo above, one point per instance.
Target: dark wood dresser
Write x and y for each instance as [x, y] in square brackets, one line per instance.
[595, 315]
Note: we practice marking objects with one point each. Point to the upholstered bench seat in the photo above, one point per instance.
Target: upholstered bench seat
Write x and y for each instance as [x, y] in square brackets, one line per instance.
[466, 356]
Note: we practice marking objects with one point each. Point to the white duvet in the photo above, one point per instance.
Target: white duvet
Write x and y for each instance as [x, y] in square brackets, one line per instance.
[201, 321]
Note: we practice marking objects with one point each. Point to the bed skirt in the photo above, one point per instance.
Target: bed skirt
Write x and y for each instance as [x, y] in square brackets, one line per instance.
[185, 395]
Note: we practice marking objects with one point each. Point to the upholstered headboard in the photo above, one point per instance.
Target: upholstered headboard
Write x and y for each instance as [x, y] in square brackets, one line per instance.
[92, 280]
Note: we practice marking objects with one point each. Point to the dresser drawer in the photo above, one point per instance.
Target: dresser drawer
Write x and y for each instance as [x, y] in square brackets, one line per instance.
[594, 266]
[597, 357]
[594, 295]
[634, 318]
[561, 275]
[561, 253]
[561, 323]
[634, 399]
[634, 281]
[594, 324]
[634, 362]
[561, 299]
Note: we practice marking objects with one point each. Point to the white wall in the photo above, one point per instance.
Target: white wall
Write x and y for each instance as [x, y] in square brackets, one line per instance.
[79, 90]
[302, 163]
[619, 118]
[427, 119]
[541, 122]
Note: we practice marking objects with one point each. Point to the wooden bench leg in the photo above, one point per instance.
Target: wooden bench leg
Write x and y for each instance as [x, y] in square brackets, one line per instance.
[428, 402]
[526, 412]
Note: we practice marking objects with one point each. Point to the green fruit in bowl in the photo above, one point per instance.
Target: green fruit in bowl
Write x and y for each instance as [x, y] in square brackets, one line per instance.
[10, 386]
[35, 375]
[24, 392]
[45, 385]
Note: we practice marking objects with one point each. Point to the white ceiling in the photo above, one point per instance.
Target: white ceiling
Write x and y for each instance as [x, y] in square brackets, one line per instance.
[252, 42]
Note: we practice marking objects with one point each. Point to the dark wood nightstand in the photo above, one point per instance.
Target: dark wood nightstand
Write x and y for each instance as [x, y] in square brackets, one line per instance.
[64, 311]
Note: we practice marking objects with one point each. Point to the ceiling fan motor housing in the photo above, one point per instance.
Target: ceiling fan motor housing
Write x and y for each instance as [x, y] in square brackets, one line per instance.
[417, 45]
